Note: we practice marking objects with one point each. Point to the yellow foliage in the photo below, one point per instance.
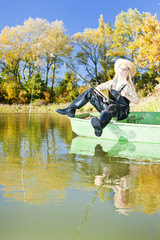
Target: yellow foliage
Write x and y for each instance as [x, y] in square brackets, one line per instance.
[22, 97]
[148, 43]
[125, 32]
[47, 95]
[10, 91]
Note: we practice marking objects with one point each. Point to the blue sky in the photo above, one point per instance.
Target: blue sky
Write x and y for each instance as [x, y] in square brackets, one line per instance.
[76, 14]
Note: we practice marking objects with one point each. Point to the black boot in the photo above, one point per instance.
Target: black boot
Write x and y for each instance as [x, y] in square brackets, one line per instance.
[96, 124]
[67, 111]
[105, 117]
[80, 101]
[100, 123]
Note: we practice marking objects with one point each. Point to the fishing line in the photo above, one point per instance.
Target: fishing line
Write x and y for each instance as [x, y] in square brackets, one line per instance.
[24, 192]
[25, 149]
[84, 219]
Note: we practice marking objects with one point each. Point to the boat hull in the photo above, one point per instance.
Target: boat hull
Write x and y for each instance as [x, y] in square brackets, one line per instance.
[139, 131]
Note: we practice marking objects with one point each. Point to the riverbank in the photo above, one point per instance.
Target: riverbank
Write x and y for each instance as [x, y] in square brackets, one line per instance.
[147, 104]
[23, 108]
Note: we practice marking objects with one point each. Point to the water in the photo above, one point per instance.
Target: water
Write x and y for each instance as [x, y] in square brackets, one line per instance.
[50, 189]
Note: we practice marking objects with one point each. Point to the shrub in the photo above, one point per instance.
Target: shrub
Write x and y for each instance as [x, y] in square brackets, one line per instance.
[39, 102]
[11, 91]
[47, 96]
[22, 97]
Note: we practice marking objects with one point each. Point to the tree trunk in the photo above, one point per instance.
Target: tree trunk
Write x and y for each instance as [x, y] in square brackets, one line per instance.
[47, 73]
[53, 78]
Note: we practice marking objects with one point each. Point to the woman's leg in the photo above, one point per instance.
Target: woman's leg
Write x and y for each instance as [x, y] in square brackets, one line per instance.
[105, 117]
[81, 100]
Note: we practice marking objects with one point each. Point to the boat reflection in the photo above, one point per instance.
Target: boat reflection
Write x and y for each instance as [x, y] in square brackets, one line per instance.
[121, 148]
[122, 169]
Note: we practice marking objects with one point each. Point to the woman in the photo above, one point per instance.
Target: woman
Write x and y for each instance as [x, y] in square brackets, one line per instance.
[121, 93]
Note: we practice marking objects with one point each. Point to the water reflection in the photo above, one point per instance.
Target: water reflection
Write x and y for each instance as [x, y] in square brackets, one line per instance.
[39, 160]
[31, 157]
[135, 186]
[134, 182]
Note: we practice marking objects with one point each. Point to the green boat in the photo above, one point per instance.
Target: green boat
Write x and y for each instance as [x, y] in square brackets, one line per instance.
[143, 127]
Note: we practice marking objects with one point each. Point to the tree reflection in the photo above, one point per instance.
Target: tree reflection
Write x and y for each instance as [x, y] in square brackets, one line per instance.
[36, 167]
[29, 165]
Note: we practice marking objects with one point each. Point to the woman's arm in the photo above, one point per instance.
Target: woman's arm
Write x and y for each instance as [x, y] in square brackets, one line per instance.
[131, 99]
[104, 86]
[99, 88]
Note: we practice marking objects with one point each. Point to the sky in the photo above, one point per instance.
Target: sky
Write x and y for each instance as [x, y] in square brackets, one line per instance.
[75, 14]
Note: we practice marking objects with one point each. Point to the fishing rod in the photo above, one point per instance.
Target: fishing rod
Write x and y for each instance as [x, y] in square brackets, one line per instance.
[99, 93]
[96, 90]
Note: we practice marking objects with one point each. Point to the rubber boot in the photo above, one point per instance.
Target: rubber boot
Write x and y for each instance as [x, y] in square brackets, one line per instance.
[80, 101]
[100, 123]
[105, 117]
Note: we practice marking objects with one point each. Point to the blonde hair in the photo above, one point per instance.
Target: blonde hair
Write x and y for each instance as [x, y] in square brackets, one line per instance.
[129, 80]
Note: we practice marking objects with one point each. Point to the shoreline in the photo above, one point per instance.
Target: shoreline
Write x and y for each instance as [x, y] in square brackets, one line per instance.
[147, 104]
[32, 108]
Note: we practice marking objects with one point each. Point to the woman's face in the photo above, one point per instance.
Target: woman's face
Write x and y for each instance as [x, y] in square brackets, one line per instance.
[123, 71]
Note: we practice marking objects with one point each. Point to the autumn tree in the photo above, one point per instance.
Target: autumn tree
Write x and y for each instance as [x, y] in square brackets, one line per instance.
[34, 30]
[93, 46]
[12, 49]
[147, 43]
[56, 45]
[87, 56]
[32, 51]
[105, 59]
[125, 33]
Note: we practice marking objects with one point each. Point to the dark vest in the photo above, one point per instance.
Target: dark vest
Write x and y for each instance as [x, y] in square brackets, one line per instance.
[122, 102]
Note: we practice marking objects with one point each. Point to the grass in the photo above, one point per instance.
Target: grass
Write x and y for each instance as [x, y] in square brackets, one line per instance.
[147, 104]
[22, 108]
[150, 103]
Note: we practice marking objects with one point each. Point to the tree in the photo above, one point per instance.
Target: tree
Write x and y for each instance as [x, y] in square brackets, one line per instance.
[147, 43]
[33, 49]
[12, 49]
[88, 56]
[94, 45]
[125, 33]
[105, 59]
[67, 88]
[56, 44]
[35, 30]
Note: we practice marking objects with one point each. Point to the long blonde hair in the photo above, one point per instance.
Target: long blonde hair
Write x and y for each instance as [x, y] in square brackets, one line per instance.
[129, 80]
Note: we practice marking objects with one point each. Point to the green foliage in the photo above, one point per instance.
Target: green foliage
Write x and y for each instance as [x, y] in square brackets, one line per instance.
[67, 90]
[34, 86]
[146, 83]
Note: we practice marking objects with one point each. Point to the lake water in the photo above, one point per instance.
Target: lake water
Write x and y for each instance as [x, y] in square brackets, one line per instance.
[52, 189]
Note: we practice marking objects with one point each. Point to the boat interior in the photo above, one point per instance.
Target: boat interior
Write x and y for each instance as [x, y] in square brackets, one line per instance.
[151, 118]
